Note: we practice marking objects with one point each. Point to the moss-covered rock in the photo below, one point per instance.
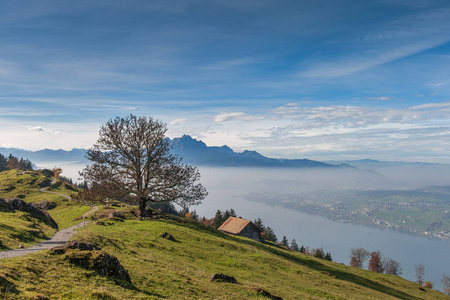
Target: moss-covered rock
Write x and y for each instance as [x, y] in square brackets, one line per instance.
[91, 257]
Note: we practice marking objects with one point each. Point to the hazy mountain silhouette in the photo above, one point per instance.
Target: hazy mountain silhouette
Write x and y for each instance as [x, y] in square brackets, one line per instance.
[193, 151]
[48, 155]
[196, 152]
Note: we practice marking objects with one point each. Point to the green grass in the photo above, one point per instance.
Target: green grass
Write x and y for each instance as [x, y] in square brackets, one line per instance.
[20, 228]
[160, 268]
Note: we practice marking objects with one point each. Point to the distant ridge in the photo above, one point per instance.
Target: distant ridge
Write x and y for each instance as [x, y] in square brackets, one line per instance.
[194, 152]
[371, 163]
[48, 155]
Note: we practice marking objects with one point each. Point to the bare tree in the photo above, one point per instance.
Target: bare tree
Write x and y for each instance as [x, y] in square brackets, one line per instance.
[375, 264]
[446, 283]
[420, 273]
[391, 267]
[132, 161]
[358, 256]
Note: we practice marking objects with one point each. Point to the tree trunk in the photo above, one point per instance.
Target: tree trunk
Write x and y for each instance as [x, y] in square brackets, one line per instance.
[142, 208]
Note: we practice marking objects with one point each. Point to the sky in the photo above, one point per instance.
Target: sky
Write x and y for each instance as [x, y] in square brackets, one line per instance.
[319, 79]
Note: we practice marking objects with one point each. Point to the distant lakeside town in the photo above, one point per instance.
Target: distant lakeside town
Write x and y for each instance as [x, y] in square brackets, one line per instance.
[420, 212]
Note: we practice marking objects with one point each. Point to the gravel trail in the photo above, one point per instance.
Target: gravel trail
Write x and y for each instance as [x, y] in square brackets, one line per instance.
[59, 238]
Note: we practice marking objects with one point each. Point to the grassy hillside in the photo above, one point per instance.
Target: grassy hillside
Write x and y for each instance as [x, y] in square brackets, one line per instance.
[161, 268]
[21, 228]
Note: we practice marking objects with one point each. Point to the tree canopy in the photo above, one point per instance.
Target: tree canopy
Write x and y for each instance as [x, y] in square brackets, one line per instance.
[12, 162]
[358, 256]
[375, 264]
[132, 161]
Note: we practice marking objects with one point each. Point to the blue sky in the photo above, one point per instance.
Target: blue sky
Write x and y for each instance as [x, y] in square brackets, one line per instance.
[315, 79]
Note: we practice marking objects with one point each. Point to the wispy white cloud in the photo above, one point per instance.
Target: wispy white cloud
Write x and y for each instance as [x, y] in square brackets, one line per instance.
[223, 117]
[43, 129]
[437, 106]
[37, 128]
[178, 122]
[381, 98]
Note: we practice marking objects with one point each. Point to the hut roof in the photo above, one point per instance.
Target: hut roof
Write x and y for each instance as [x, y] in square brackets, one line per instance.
[235, 225]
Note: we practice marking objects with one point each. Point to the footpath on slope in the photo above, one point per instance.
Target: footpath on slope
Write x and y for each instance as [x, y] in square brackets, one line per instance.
[60, 237]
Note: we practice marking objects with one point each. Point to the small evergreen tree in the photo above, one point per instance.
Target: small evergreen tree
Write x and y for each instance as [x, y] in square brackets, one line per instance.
[328, 256]
[185, 211]
[294, 245]
[25, 164]
[318, 253]
[3, 163]
[226, 215]
[232, 213]
[259, 223]
[302, 250]
[218, 219]
[285, 241]
[269, 235]
[82, 185]
[194, 215]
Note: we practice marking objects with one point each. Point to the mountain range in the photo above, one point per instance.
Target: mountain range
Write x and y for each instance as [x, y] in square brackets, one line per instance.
[196, 152]
[193, 152]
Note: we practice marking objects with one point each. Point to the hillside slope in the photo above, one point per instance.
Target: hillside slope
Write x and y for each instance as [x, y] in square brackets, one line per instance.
[160, 268]
[24, 228]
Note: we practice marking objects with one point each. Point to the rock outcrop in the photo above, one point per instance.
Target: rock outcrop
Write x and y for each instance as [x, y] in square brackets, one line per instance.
[11, 205]
[222, 278]
[91, 257]
[168, 236]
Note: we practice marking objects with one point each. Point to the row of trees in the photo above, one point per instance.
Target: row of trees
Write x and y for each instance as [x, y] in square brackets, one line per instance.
[316, 252]
[11, 162]
[420, 279]
[389, 266]
[221, 216]
[376, 262]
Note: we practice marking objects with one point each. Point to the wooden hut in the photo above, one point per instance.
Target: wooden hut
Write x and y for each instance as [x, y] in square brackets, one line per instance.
[241, 227]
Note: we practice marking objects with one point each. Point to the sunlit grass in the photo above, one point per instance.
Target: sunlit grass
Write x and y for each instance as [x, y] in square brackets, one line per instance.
[161, 268]
[20, 228]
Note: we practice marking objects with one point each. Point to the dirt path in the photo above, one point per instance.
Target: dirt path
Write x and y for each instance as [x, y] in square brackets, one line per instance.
[59, 238]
